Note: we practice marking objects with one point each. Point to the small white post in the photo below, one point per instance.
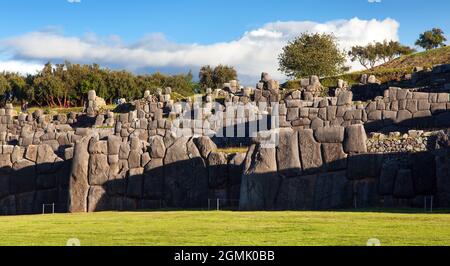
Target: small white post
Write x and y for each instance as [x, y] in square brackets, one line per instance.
[53, 208]
[43, 208]
[218, 204]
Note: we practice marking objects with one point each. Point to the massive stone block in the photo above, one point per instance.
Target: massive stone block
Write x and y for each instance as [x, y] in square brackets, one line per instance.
[98, 199]
[362, 166]
[297, 193]
[157, 147]
[334, 157]
[217, 168]
[205, 145]
[423, 173]
[260, 180]
[387, 178]
[355, 139]
[288, 158]
[332, 190]
[98, 169]
[404, 188]
[23, 177]
[154, 180]
[329, 134]
[310, 152]
[79, 186]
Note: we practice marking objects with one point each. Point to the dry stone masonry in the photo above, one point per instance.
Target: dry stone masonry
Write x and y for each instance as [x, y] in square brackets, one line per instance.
[305, 151]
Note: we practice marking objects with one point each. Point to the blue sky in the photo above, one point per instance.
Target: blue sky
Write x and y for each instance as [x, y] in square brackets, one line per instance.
[154, 29]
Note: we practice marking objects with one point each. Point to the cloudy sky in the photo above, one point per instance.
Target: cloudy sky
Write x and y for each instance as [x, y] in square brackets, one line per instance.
[177, 35]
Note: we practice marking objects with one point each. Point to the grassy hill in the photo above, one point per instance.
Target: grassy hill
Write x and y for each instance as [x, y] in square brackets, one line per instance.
[397, 68]
[187, 228]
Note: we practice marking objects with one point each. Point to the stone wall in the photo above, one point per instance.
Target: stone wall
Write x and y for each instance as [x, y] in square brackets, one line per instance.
[111, 174]
[331, 168]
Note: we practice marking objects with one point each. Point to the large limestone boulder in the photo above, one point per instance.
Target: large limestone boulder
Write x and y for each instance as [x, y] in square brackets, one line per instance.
[217, 168]
[404, 188]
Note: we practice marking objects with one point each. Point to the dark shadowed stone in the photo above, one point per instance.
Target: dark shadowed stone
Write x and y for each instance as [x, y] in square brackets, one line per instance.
[46, 181]
[329, 134]
[25, 203]
[117, 181]
[332, 190]
[403, 187]
[288, 158]
[23, 178]
[296, 193]
[310, 152]
[98, 199]
[333, 156]
[205, 145]
[154, 179]
[355, 139]
[387, 178]
[217, 168]
[362, 166]
[424, 173]
[4, 185]
[45, 197]
[365, 193]
[443, 179]
[8, 205]
[235, 170]
[79, 186]
[260, 180]
[135, 183]
[186, 176]
[98, 169]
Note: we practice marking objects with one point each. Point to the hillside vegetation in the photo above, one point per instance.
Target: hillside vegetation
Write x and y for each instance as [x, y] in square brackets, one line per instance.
[184, 228]
[397, 68]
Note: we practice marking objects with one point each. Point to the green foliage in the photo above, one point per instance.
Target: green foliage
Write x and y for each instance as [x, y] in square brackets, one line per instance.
[312, 54]
[215, 78]
[431, 39]
[67, 84]
[369, 55]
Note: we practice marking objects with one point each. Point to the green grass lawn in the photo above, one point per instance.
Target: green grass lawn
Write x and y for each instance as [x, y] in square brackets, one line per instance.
[227, 228]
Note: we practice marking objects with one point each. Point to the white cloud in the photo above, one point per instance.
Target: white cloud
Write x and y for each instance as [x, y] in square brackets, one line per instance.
[256, 51]
[374, 1]
[74, 1]
[22, 67]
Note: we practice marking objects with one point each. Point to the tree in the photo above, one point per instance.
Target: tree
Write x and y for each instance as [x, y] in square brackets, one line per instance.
[387, 51]
[206, 77]
[312, 54]
[365, 55]
[223, 74]
[4, 87]
[431, 39]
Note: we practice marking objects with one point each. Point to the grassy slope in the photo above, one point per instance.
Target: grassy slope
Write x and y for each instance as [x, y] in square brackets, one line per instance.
[397, 68]
[227, 228]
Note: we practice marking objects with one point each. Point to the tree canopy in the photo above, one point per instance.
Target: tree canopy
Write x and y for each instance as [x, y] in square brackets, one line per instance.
[214, 78]
[431, 39]
[67, 84]
[369, 55]
[312, 54]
